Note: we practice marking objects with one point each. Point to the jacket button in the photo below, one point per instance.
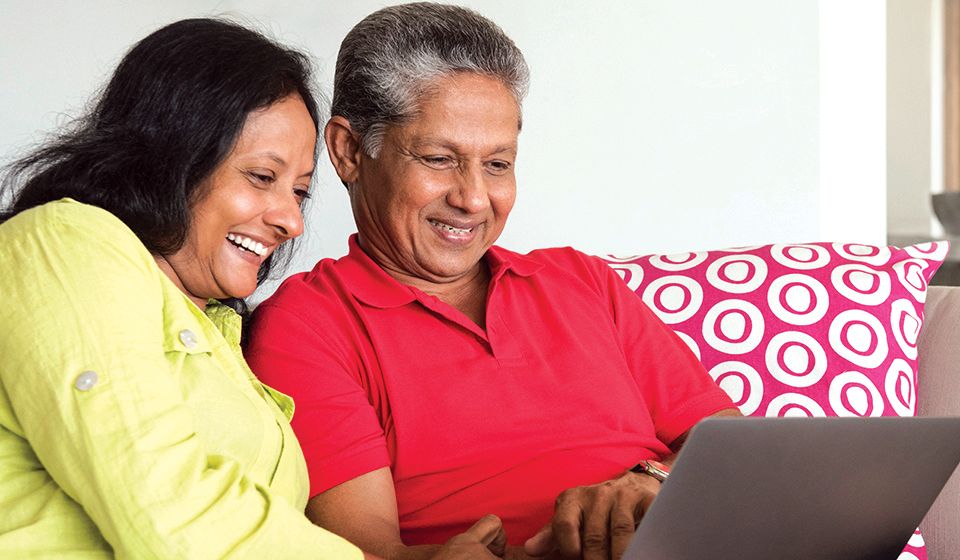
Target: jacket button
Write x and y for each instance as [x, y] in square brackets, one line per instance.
[188, 338]
[86, 381]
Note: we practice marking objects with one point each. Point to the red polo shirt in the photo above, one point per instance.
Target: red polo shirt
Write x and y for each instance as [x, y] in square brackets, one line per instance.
[573, 381]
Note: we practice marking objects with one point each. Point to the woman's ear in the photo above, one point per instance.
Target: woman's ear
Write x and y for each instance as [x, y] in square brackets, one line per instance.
[343, 146]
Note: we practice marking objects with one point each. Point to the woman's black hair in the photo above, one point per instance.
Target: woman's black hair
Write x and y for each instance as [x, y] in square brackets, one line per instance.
[169, 115]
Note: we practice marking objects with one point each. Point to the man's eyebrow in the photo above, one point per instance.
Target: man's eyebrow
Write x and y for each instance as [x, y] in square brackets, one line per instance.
[437, 142]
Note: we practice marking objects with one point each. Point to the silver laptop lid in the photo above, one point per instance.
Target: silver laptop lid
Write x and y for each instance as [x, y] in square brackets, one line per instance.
[803, 488]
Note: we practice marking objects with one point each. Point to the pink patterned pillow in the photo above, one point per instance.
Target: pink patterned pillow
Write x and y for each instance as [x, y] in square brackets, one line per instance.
[821, 329]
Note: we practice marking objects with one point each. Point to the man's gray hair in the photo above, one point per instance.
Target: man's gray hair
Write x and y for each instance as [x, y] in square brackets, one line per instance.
[393, 55]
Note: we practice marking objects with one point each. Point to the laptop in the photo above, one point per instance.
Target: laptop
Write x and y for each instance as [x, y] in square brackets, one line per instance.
[799, 488]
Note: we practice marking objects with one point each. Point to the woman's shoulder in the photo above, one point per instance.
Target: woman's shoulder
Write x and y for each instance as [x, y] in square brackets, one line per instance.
[70, 232]
[66, 218]
[63, 212]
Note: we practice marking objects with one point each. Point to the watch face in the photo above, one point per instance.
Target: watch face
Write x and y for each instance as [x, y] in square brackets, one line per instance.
[656, 469]
[658, 465]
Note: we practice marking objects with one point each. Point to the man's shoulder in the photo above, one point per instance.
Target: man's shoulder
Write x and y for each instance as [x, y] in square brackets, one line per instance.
[320, 286]
[315, 295]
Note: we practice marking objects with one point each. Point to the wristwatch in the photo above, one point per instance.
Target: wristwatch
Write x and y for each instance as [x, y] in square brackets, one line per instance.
[656, 469]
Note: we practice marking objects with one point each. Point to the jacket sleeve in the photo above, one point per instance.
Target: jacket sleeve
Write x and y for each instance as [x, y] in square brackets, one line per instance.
[83, 366]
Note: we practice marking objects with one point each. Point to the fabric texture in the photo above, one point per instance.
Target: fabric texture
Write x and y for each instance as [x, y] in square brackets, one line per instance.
[131, 426]
[572, 381]
[820, 329]
[939, 395]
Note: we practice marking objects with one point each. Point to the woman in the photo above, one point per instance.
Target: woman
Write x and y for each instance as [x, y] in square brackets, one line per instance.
[131, 425]
[438, 375]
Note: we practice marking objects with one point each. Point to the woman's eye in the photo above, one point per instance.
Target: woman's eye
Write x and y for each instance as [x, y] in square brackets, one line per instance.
[302, 194]
[261, 177]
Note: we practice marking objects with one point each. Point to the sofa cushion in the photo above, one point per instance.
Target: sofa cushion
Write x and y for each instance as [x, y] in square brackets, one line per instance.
[820, 329]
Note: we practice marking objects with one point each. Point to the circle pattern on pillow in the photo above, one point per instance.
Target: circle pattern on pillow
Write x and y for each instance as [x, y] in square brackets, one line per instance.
[815, 329]
[818, 329]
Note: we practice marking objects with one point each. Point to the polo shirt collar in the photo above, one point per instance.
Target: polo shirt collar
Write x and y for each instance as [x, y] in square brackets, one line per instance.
[372, 285]
[501, 260]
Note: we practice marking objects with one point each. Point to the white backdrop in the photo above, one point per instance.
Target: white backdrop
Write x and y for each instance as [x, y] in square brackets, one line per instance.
[651, 125]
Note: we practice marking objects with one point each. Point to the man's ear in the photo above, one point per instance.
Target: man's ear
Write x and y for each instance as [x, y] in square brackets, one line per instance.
[343, 146]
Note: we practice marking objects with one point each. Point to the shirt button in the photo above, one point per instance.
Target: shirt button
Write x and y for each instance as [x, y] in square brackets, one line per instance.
[86, 381]
[188, 338]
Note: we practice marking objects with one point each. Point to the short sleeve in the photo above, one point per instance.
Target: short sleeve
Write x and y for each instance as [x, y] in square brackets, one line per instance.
[678, 390]
[83, 366]
[313, 358]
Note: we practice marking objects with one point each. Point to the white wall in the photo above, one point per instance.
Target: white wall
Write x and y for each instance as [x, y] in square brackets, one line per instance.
[915, 98]
[852, 113]
[651, 125]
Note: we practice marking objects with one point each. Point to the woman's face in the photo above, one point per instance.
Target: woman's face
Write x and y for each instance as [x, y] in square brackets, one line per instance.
[248, 206]
[439, 192]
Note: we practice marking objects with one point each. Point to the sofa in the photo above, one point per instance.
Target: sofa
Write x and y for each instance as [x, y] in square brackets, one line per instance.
[820, 329]
[939, 395]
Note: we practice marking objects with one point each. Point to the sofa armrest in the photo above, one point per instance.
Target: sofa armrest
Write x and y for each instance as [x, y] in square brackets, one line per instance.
[939, 395]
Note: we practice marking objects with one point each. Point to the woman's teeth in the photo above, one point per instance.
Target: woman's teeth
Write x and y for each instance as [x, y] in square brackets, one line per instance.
[247, 243]
[451, 229]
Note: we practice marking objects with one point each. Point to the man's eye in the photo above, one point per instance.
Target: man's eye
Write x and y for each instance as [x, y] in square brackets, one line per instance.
[498, 167]
[438, 161]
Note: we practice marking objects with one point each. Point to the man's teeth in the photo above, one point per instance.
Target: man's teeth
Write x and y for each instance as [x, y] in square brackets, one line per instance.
[451, 229]
[247, 243]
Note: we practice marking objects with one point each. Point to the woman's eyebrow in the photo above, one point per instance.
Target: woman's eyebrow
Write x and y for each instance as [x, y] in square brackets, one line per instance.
[280, 161]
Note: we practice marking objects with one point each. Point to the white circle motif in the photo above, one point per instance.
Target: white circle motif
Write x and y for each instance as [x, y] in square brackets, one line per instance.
[861, 284]
[678, 261]
[916, 539]
[741, 273]
[631, 273]
[796, 359]
[911, 274]
[863, 253]
[673, 298]
[933, 250]
[862, 396]
[905, 324]
[853, 333]
[794, 404]
[741, 382]
[800, 257]
[744, 249]
[798, 299]
[738, 322]
[900, 388]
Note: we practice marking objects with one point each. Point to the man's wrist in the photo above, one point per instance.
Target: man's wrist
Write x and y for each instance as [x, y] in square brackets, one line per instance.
[655, 469]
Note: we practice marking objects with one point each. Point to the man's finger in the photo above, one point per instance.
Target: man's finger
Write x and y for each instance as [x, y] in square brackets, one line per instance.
[622, 526]
[595, 538]
[485, 531]
[566, 525]
[542, 543]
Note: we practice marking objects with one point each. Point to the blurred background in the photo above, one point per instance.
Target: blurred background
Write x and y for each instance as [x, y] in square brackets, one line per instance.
[651, 125]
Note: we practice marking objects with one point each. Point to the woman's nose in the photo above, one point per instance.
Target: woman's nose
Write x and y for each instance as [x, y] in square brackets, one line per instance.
[286, 216]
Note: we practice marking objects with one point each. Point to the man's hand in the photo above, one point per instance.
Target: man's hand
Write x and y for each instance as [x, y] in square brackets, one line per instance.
[596, 522]
[485, 539]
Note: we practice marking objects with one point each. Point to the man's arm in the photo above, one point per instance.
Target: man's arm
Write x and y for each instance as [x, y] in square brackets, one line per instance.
[596, 522]
[364, 511]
